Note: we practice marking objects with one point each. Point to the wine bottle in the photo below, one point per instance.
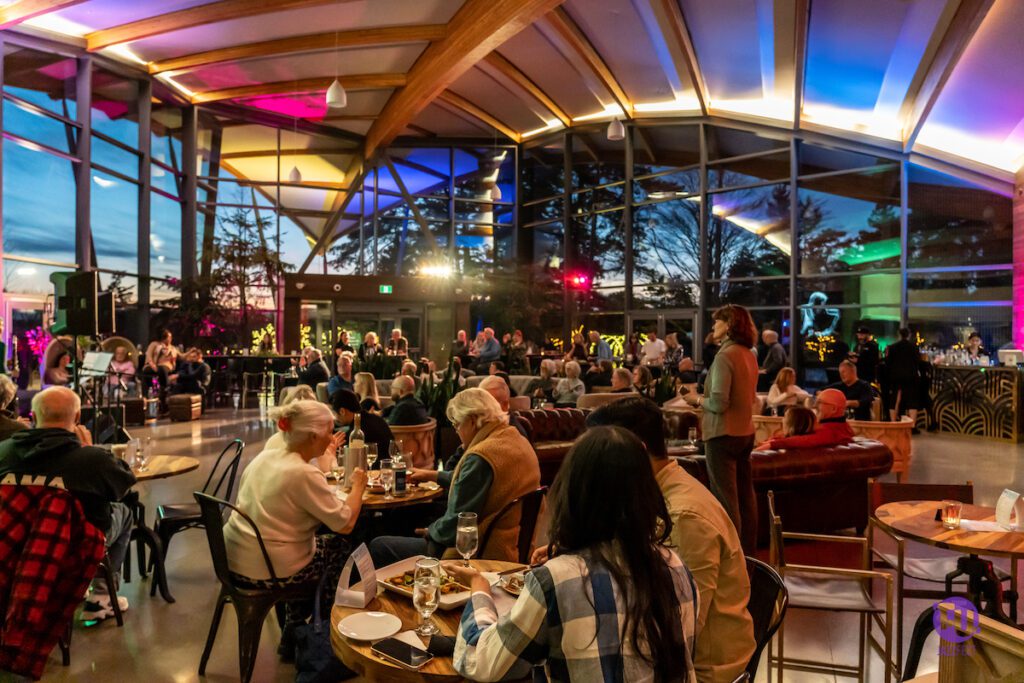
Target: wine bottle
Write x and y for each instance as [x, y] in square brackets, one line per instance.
[357, 439]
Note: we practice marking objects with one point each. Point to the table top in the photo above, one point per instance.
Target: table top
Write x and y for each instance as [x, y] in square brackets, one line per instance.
[163, 466]
[916, 520]
[678, 450]
[414, 496]
[357, 656]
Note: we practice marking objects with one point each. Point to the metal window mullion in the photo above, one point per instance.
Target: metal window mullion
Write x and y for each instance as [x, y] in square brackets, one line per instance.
[145, 206]
[451, 207]
[702, 306]
[567, 241]
[190, 130]
[794, 251]
[83, 182]
[627, 219]
[904, 241]
[376, 215]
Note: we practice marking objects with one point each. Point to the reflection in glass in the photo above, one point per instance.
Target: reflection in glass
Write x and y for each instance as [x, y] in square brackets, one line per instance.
[868, 289]
[748, 232]
[943, 326]
[749, 171]
[115, 218]
[666, 242]
[960, 286]
[164, 237]
[39, 224]
[42, 78]
[115, 108]
[599, 247]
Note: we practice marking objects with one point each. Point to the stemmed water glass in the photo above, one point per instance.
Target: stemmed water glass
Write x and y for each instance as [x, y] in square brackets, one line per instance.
[387, 477]
[426, 593]
[466, 536]
[371, 456]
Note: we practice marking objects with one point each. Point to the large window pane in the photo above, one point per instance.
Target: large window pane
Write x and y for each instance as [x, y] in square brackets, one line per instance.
[547, 250]
[164, 237]
[963, 286]
[28, 278]
[748, 232]
[773, 292]
[115, 107]
[600, 248]
[45, 79]
[666, 242]
[943, 326]
[850, 222]
[115, 158]
[955, 223]
[39, 127]
[749, 171]
[724, 143]
[38, 224]
[115, 220]
[877, 289]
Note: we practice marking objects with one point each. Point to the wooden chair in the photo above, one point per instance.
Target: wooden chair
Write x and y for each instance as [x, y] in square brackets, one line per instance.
[930, 569]
[529, 507]
[417, 440]
[831, 589]
[252, 605]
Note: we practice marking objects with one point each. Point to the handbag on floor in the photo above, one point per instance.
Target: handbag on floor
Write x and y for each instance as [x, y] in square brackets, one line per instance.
[315, 661]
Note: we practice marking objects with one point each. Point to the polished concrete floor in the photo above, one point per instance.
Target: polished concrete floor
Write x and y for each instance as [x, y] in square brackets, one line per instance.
[162, 642]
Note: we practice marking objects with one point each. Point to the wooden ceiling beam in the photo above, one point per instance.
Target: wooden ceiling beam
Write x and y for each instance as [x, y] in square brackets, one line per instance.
[23, 10]
[385, 35]
[304, 85]
[298, 151]
[461, 103]
[945, 48]
[511, 72]
[201, 15]
[567, 29]
[476, 30]
[680, 44]
[801, 30]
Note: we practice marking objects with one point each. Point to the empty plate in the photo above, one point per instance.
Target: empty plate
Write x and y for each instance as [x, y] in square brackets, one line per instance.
[369, 625]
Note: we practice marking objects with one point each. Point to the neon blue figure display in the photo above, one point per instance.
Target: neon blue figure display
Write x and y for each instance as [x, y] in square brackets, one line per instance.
[817, 319]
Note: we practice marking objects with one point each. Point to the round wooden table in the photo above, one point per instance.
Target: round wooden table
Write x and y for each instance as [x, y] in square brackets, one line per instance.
[414, 495]
[357, 656]
[916, 520]
[164, 466]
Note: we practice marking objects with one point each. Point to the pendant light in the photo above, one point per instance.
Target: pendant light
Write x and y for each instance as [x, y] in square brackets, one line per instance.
[295, 176]
[337, 98]
[616, 131]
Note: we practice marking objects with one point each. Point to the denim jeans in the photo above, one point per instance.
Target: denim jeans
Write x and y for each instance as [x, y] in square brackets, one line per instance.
[732, 482]
[385, 550]
[118, 536]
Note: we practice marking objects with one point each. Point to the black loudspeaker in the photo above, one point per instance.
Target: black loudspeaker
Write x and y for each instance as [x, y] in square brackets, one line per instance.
[105, 312]
[75, 307]
[109, 426]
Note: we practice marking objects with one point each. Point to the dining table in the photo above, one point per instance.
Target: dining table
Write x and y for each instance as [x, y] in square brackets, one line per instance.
[357, 655]
[164, 466]
[374, 499]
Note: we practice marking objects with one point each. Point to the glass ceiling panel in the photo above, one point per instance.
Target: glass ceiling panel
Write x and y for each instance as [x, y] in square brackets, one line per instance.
[861, 59]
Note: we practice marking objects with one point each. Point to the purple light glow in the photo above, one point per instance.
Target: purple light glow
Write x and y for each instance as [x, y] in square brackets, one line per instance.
[302, 106]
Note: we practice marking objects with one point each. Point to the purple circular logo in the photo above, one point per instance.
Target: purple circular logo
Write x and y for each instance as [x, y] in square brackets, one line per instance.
[953, 627]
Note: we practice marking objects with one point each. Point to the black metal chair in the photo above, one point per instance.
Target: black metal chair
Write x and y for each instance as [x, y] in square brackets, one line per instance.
[767, 606]
[108, 575]
[530, 511]
[174, 518]
[252, 605]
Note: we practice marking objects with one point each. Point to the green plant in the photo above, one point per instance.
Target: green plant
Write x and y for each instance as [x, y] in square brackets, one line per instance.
[435, 395]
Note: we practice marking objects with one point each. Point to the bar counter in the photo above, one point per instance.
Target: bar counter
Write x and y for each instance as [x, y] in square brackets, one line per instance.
[978, 401]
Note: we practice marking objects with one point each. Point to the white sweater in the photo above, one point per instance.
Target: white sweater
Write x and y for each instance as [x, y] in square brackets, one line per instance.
[790, 397]
[288, 499]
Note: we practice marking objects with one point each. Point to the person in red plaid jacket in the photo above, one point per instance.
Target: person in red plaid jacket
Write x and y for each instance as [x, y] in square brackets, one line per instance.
[60, 447]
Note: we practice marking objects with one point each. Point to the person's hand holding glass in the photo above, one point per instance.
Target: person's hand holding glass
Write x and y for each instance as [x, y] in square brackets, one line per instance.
[426, 593]
[466, 536]
[387, 477]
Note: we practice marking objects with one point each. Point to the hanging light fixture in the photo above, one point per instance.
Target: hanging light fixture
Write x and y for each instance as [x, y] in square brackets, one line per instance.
[295, 176]
[337, 98]
[616, 131]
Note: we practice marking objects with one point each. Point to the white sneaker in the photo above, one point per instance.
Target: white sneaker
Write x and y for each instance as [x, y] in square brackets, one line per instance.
[99, 608]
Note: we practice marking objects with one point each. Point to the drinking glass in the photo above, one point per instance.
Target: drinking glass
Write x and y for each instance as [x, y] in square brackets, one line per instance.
[692, 436]
[371, 457]
[951, 510]
[131, 453]
[145, 453]
[337, 465]
[426, 593]
[466, 536]
[387, 477]
[395, 449]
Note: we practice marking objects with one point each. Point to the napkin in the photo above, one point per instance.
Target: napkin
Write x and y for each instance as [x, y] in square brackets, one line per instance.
[409, 638]
[977, 525]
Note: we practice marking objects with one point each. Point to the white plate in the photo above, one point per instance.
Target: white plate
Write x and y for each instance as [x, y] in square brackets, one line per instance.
[447, 601]
[369, 625]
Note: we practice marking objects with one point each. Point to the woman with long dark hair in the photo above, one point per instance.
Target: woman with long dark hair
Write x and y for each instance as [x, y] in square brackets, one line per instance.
[727, 425]
[608, 566]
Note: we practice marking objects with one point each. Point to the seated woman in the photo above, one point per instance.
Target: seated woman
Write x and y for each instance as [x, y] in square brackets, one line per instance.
[578, 352]
[543, 386]
[370, 348]
[570, 388]
[517, 361]
[831, 428]
[58, 375]
[288, 498]
[366, 389]
[299, 393]
[784, 392]
[612, 602]
[599, 375]
[122, 369]
[643, 381]
[498, 466]
[798, 421]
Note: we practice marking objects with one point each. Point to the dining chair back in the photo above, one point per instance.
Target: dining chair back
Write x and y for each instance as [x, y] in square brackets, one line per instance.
[529, 507]
[880, 493]
[767, 606]
[252, 605]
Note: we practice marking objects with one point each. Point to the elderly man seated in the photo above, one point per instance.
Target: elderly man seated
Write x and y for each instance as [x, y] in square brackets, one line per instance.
[312, 369]
[60, 447]
[499, 466]
[832, 429]
[407, 409]
[622, 381]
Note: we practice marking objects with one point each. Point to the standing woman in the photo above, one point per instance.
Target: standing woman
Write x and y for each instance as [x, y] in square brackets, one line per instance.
[728, 424]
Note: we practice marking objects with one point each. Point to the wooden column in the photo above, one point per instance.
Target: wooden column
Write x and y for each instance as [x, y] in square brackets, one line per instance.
[1018, 261]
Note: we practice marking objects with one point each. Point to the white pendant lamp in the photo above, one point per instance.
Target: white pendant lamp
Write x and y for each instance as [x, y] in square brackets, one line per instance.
[616, 131]
[337, 98]
[294, 176]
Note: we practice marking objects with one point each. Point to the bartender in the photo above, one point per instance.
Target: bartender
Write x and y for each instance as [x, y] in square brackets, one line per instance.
[974, 348]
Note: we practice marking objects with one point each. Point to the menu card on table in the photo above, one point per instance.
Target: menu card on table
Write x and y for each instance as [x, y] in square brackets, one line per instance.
[362, 593]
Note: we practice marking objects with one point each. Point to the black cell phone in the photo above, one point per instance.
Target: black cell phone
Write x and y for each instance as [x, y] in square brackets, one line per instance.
[401, 653]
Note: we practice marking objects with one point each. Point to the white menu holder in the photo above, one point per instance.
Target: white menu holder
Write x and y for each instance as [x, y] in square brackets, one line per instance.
[365, 591]
[1010, 510]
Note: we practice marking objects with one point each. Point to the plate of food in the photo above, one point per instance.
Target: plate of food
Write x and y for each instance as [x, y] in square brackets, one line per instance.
[513, 583]
[399, 578]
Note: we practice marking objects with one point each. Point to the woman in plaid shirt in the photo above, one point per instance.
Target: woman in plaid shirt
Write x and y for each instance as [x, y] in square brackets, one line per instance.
[613, 604]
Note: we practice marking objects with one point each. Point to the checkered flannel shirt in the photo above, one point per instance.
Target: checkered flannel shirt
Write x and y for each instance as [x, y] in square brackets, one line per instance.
[570, 617]
[48, 554]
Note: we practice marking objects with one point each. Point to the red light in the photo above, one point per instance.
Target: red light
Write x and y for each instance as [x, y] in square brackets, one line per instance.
[579, 281]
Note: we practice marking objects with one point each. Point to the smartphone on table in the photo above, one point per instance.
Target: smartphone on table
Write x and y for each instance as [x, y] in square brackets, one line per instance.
[401, 653]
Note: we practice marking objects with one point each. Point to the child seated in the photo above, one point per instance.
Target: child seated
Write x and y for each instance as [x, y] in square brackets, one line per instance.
[796, 422]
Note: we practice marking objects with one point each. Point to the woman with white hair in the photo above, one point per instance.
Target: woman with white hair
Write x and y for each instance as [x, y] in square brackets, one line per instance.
[9, 423]
[570, 388]
[545, 384]
[288, 498]
[497, 467]
[369, 348]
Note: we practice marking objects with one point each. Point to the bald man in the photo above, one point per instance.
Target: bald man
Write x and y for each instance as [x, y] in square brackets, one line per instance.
[407, 409]
[774, 358]
[60, 447]
[831, 430]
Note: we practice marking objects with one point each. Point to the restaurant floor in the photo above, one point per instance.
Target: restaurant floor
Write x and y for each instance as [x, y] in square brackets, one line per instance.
[162, 642]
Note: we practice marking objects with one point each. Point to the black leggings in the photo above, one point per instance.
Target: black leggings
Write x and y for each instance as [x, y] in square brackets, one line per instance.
[732, 482]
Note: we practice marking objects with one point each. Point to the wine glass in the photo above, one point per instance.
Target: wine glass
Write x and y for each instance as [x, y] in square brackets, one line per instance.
[387, 477]
[395, 449]
[336, 466]
[692, 434]
[466, 536]
[426, 593]
[371, 456]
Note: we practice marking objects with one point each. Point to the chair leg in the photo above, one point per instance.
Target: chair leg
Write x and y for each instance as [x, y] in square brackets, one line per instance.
[65, 644]
[782, 642]
[861, 642]
[165, 537]
[108, 576]
[251, 615]
[149, 537]
[218, 611]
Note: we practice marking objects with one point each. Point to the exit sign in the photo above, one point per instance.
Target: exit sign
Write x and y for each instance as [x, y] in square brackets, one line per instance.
[384, 289]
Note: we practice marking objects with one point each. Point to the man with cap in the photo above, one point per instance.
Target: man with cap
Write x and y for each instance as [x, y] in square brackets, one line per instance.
[831, 430]
[375, 429]
[865, 355]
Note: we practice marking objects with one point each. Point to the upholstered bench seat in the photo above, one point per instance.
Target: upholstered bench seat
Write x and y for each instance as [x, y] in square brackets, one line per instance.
[185, 407]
